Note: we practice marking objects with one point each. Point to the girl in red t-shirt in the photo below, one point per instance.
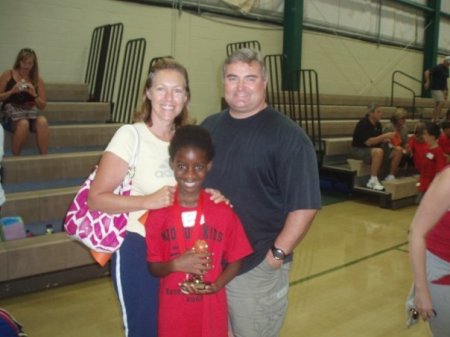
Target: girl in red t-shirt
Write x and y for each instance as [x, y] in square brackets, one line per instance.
[195, 246]
[416, 147]
[434, 160]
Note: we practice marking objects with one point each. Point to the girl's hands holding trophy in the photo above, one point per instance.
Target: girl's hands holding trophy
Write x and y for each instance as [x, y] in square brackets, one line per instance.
[196, 263]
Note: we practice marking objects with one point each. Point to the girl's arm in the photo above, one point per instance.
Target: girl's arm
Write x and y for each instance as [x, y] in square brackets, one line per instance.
[434, 204]
[227, 275]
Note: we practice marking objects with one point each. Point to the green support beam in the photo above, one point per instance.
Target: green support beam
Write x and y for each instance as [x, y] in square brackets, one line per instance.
[292, 40]
[431, 43]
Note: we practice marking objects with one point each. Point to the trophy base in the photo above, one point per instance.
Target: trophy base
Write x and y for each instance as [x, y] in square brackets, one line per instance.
[196, 283]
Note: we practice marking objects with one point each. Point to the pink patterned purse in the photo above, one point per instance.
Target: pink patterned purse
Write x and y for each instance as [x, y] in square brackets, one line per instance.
[100, 231]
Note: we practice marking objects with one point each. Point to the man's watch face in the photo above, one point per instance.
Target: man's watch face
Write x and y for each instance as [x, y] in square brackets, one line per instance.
[278, 253]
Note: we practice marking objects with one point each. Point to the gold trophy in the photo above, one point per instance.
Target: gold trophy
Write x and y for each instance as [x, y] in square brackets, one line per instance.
[200, 246]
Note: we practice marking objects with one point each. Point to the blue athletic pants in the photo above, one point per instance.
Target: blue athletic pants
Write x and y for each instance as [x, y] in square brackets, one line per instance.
[136, 289]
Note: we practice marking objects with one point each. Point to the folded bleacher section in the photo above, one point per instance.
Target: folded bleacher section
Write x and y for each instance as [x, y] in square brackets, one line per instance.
[40, 188]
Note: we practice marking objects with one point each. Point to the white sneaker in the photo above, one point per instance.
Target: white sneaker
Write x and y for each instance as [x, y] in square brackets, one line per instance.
[374, 185]
[389, 177]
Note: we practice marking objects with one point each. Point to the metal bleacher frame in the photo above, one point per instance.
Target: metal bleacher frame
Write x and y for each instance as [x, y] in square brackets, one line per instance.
[156, 59]
[395, 82]
[275, 95]
[128, 93]
[102, 63]
[304, 106]
[231, 47]
[301, 103]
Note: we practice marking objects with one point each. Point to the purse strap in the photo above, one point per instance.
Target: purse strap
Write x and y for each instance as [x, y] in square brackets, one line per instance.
[137, 144]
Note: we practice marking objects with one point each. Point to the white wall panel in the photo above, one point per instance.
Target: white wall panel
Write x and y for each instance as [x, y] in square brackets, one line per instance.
[444, 33]
[60, 32]
[360, 15]
[445, 6]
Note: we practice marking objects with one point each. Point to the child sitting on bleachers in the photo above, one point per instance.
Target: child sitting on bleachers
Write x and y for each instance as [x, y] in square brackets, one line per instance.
[444, 140]
[434, 160]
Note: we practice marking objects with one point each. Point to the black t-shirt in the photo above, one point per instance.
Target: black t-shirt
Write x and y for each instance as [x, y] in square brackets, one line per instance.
[365, 130]
[267, 167]
[438, 77]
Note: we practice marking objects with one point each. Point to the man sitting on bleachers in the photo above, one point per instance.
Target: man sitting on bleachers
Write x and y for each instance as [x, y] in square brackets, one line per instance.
[370, 145]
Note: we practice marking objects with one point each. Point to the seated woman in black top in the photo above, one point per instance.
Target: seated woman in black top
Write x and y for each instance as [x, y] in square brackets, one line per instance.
[22, 92]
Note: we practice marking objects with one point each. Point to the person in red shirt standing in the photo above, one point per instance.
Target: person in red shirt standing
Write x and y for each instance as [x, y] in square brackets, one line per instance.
[444, 140]
[429, 250]
[416, 147]
[434, 160]
[195, 245]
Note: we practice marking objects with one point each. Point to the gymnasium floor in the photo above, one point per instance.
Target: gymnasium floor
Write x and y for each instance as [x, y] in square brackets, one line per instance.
[350, 278]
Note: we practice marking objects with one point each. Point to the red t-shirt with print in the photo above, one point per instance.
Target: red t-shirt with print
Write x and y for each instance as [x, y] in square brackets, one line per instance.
[181, 315]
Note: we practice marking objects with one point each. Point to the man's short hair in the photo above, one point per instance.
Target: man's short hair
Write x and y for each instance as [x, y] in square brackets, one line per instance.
[372, 107]
[245, 55]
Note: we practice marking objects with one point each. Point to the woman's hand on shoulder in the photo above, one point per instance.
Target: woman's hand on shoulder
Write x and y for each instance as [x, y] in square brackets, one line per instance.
[161, 198]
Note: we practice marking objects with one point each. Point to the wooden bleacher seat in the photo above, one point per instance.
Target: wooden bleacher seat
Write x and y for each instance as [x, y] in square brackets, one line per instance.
[40, 189]
[339, 115]
[40, 254]
[359, 167]
[401, 188]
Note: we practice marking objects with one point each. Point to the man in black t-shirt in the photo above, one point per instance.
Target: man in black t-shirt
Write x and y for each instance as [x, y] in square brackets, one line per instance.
[367, 145]
[266, 165]
[436, 81]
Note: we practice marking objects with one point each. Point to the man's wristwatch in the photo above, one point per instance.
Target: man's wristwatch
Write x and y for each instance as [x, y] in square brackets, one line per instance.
[278, 254]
